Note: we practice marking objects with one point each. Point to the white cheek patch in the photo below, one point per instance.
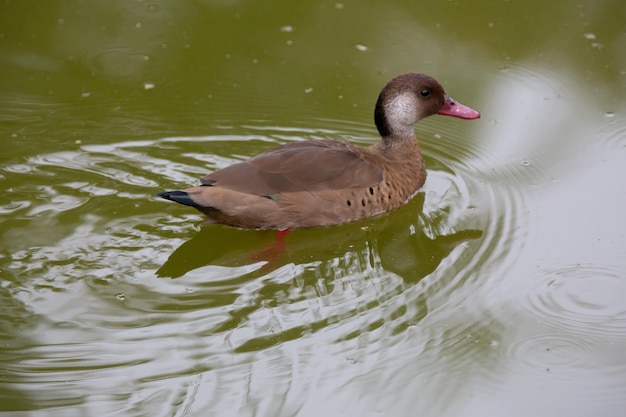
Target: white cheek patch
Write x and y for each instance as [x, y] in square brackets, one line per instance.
[402, 111]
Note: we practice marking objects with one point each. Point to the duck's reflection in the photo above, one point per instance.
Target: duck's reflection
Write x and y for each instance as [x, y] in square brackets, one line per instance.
[398, 239]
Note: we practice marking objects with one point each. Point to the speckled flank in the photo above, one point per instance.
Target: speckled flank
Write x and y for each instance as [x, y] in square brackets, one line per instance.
[404, 173]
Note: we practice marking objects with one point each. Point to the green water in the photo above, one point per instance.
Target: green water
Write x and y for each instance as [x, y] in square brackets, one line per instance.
[500, 289]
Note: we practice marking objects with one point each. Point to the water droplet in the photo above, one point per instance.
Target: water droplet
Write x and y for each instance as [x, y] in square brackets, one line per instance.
[152, 7]
[286, 29]
[609, 114]
[590, 36]
[361, 48]
[526, 163]
[121, 296]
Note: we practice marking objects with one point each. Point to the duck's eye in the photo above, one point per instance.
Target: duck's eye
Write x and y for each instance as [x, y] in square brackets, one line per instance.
[425, 92]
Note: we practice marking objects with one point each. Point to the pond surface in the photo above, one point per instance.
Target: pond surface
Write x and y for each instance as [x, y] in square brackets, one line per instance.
[500, 289]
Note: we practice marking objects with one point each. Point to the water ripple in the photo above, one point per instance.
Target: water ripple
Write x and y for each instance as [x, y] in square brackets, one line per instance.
[612, 130]
[585, 299]
[570, 327]
[543, 353]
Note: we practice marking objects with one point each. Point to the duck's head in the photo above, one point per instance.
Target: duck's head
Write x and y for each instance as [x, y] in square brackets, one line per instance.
[410, 97]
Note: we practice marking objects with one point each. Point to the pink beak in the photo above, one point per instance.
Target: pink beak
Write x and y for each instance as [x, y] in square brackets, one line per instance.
[454, 109]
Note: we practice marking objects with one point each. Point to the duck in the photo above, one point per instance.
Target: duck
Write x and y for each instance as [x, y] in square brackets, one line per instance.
[329, 182]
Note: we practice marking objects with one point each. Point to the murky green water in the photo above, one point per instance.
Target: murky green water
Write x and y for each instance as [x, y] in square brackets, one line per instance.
[499, 290]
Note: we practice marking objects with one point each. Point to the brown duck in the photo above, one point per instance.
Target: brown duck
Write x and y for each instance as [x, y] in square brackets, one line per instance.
[328, 182]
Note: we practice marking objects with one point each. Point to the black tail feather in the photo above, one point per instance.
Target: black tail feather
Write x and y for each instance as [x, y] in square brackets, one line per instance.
[181, 197]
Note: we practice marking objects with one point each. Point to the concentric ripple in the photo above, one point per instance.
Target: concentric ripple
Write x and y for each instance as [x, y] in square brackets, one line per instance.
[570, 329]
[548, 352]
[584, 299]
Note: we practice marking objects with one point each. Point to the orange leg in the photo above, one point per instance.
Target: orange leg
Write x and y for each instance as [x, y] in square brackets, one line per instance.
[272, 253]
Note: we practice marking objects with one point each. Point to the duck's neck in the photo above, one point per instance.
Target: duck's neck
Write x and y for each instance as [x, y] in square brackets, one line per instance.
[398, 146]
[395, 116]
